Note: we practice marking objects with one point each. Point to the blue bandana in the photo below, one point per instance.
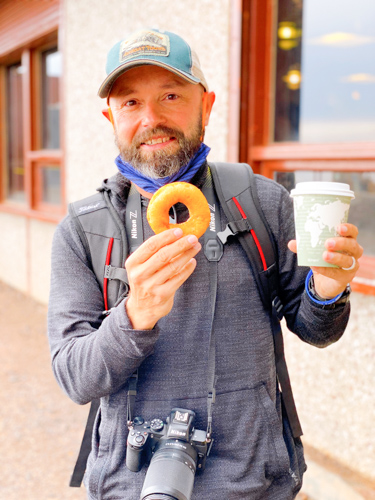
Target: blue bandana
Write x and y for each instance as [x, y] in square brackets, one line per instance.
[185, 174]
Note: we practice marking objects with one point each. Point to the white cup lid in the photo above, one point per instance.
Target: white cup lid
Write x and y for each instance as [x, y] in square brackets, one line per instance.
[328, 188]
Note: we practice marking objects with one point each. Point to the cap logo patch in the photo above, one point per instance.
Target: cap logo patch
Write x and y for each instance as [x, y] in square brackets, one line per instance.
[145, 43]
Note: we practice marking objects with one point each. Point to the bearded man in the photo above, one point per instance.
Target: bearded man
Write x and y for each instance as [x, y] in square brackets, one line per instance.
[157, 336]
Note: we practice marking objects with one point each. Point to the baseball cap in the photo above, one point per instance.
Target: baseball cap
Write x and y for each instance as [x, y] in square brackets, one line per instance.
[154, 47]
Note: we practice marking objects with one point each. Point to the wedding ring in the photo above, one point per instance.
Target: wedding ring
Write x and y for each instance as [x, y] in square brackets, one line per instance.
[351, 267]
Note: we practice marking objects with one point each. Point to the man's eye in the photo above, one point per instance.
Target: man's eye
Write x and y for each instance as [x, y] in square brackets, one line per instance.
[130, 103]
[171, 97]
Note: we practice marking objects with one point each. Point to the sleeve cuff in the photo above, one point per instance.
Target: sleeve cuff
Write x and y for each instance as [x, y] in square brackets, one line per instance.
[314, 297]
[137, 343]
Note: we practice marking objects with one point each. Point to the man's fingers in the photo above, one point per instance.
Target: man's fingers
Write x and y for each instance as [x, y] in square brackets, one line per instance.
[154, 244]
[348, 246]
[169, 252]
[342, 249]
[348, 230]
[341, 260]
[165, 255]
[176, 265]
[179, 278]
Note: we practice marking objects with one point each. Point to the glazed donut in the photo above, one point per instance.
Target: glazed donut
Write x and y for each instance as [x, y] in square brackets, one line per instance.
[169, 195]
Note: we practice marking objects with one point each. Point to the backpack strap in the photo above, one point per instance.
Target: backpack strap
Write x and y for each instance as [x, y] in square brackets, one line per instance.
[237, 193]
[84, 452]
[104, 239]
[235, 187]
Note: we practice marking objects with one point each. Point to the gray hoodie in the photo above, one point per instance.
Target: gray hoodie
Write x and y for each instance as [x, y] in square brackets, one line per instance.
[254, 455]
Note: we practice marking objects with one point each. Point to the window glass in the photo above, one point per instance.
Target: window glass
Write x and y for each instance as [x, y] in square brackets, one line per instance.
[15, 143]
[362, 208]
[51, 73]
[325, 71]
[51, 185]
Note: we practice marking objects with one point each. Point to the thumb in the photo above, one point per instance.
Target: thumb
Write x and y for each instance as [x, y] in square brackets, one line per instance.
[292, 245]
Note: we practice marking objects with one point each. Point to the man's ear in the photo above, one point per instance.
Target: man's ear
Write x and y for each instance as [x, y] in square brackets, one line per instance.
[208, 102]
[108, 114]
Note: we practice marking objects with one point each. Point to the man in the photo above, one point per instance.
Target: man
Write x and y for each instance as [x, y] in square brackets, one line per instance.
[159, 104]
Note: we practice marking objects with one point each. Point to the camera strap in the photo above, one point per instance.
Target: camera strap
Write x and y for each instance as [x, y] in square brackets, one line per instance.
[213, 250]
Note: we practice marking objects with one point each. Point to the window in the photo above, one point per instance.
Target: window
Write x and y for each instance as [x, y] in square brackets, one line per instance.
[325, 71]
[307, 101]
[51, 74]
[15, 178]
[32, 159]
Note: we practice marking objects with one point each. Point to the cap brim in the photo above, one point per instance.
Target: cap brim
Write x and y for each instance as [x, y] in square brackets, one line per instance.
[106, 86]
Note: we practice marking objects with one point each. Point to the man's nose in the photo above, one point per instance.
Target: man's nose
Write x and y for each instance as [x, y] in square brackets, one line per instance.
[153, 115]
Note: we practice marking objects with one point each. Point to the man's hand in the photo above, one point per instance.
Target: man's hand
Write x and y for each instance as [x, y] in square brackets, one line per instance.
[156, 270]
[330, 281]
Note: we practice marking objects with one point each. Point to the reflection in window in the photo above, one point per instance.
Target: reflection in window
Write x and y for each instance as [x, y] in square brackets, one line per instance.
[51, 185]
[362, 208]
[288, 71]
[325, 71]
[51, 73]
[15, 144]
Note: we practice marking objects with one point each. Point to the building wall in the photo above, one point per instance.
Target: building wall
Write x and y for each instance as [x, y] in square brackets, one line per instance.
[39, 251]
[13, 251]
[25, 254]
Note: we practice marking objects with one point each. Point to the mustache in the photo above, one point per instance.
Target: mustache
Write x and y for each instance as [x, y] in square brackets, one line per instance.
[160, 129]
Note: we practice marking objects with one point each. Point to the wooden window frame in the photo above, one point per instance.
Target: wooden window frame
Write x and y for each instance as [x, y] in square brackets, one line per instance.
[34, 155]
[256, 97]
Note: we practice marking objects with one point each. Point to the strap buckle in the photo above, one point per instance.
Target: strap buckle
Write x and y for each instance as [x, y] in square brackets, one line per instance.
[213, 250]
[224, 235]
[212, 396]
[116, 273]
[233, 228]
[133, 381]
[278, 307]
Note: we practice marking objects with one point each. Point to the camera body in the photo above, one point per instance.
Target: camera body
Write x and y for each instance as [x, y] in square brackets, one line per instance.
[174, 450]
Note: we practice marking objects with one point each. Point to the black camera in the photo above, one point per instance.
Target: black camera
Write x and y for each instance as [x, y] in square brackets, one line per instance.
[174, 450]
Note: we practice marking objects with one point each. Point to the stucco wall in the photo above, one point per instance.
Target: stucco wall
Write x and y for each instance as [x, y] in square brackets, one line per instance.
[25, 255]
[90, 30]
[13, 251]
[40, 242]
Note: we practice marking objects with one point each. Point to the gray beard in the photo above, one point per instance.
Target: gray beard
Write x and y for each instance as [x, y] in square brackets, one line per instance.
[160, 164]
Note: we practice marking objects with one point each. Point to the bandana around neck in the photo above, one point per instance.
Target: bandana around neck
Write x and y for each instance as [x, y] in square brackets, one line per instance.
[185, 174]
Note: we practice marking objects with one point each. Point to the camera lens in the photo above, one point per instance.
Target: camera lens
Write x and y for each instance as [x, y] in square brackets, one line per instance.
[171, 472]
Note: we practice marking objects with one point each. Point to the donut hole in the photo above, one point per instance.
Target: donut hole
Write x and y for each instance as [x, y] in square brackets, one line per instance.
[179, 210]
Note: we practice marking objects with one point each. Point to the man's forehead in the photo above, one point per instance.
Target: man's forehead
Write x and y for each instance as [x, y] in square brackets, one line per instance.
[135, 78]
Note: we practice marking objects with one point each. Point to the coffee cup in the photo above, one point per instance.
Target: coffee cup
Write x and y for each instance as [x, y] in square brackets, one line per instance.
[319, 208]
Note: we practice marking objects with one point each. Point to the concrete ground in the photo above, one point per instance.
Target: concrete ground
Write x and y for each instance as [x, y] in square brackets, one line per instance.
[41, 428]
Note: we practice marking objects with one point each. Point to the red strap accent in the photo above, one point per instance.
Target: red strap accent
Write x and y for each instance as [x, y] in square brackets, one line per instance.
[105, 281]
[236, 202]
[259, 249]
[239, 207]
